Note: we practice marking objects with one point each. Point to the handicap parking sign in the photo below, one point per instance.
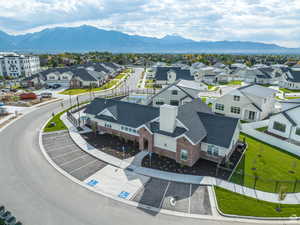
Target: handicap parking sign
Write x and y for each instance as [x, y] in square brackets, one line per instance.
[124, 194]
[92, 183]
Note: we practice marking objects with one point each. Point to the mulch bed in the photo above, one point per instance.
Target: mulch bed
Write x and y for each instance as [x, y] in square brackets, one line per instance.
[112, 145]
[201, 168]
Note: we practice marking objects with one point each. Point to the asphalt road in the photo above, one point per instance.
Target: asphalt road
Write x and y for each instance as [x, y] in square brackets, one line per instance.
[39, 195]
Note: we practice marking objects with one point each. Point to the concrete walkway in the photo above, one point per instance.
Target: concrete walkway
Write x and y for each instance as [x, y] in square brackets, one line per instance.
[293, 198]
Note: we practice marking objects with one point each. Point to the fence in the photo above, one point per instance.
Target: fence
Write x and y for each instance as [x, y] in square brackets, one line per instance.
[250, 129]
[73, 120]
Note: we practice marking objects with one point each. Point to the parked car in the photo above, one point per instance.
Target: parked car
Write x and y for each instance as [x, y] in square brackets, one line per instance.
[1, 103]
[46, 95]
[30, 95]
[55, 86]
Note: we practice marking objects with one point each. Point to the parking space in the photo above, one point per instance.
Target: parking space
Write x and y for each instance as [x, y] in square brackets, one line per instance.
[68, 156]
[180, 197]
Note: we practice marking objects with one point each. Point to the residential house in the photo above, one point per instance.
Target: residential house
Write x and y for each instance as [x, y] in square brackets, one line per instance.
[185, 133]
[178, 93]
[168, 75]
[286, 124]
[291, 79]
[250, 103]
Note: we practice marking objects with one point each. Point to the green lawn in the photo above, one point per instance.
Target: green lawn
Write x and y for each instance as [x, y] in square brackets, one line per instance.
[236, 204]
[262, 129]
[77, 91]
[59, 125]
[269, 164]
[292, 97]
[285, 90]
[121, 75]
[233, 82]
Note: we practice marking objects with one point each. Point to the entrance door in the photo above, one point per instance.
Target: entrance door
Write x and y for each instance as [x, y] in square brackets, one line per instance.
[146, 144]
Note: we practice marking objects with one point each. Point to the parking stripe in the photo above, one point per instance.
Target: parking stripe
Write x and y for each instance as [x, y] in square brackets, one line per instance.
[59, 148]
[67, 153]
[190, 195]
[80, 157]
[83, 166]
[162, 200]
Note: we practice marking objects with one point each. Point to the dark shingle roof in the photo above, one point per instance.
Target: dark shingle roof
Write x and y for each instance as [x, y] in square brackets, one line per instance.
[128, 114]
[220, 129]
[84, 74]
[293, 75]
[162, 73]
[154, 127]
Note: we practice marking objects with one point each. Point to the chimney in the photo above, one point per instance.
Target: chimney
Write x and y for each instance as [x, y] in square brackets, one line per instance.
[167, 118]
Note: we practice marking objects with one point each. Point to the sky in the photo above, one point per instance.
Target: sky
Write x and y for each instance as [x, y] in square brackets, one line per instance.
[268, 21]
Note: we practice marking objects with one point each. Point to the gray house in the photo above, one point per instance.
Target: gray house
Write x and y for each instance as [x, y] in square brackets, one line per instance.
[178, 93]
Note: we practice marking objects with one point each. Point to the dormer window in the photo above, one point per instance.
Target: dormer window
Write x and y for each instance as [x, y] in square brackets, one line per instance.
[236, 98]
[174, 92]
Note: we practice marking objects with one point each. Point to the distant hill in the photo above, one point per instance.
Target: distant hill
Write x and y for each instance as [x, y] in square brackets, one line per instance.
[88, 38]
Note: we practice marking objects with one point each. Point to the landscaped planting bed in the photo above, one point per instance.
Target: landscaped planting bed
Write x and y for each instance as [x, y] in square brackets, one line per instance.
[112, 145]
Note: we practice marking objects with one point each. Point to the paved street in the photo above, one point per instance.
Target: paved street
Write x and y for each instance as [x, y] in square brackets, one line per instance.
[38, 194]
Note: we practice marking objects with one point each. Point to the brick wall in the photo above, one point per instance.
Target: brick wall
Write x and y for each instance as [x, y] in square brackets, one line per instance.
[194, 152]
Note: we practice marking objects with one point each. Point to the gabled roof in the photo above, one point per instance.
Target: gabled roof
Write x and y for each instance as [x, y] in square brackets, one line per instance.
[85, 75]
[128, 114]
[187, 115]
[285, 113]
[219, 129]
[257, 90]
[162, 73]
[293, 75]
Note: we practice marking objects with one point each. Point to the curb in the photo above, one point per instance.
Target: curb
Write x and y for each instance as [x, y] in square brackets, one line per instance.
[128, 202]
[258, 219]
[221, 217]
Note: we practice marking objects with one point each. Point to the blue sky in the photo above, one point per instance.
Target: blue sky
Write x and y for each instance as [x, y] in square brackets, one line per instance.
[269, 21]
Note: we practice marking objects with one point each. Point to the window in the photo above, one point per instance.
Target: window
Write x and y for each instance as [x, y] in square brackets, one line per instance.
[236, 98]
[212, 150]
[279, 126]
[107, 125]
[251, 115]
[216, 151]
[184, 155]
[235, 110]
[159, 102]
[298, 131]
[219, 106]
[174, 92]
[174, 102]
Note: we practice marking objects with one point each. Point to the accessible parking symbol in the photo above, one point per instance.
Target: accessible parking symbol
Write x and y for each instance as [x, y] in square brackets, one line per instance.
[92, 183]
[124, 194]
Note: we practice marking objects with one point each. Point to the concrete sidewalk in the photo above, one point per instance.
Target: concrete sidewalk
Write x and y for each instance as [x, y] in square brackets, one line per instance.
[291, 198]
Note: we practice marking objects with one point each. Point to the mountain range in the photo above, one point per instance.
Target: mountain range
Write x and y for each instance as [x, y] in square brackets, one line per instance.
[87, 38]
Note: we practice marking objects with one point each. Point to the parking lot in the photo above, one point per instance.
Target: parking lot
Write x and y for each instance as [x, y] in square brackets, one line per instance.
[187, 198]
[161, 194]
[68, 156]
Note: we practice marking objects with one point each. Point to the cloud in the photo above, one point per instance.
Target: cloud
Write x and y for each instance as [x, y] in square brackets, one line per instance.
[270, 21]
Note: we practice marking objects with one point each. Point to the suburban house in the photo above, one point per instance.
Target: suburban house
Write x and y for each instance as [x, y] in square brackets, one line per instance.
[291, 79]
[168, 75]
[287, 104]
[178, 93]
[185, 133]
[286, 124]
[76, 76]
[250, 103]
